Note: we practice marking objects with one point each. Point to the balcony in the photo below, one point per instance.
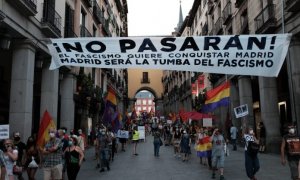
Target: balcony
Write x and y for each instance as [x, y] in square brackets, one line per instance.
[51, 21]
[238, 3]
[292, 5]
[205, 29]
[227, 14]
[84, 32]
[97, 13]
[145, 81]
[219, 26]
[119, 5]
[27, 7]
[244, 27]
[265, 21]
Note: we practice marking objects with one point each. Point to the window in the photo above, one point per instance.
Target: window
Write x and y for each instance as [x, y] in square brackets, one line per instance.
[82, 18]
[139, 109]
[144, 102]
[149, 109]
[150, 101]
[145, 78]
[144, 108]
[138, 102]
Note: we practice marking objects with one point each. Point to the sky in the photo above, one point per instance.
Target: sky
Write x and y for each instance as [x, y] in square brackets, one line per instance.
[155, 17]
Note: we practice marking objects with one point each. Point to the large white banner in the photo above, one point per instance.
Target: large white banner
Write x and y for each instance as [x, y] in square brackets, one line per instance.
[260, 55]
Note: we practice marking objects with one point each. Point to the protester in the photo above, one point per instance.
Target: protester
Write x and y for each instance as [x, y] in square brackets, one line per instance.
[157, 142]
[185, 146]
[233, 136]
[290, 147]
[81, 140]
[21, 147]
[65, 143]
[122, 138]
[10, 156]
[262, 137]
[52, 153]
[135, 139]
[2, 165]
[218, 154]
[103, 146]
[32, 158]
[176, 142]
[74, 157]
[251, 150]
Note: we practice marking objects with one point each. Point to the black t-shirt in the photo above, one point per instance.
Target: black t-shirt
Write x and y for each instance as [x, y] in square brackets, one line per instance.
[21, 148]
[262, 132]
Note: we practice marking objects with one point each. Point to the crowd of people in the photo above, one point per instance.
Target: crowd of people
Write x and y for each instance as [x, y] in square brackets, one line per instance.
[64, 153]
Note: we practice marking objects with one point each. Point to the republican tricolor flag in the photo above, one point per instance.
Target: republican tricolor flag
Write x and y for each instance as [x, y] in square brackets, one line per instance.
[46, 124]
[219, 96]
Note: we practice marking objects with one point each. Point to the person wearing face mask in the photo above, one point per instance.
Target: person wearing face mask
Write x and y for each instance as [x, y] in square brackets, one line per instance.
[251, 149]
[290, 147]
[21, 151]
[52, 153]
[74, 157]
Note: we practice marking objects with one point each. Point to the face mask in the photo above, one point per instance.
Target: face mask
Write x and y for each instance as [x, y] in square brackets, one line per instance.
[17, 138]
[70, 143]
[251, 132]
[52, 135]
[292, 131]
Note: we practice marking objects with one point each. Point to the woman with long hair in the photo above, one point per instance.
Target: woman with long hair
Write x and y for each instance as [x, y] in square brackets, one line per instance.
[32, 156]
[10, 156]
[74, 157]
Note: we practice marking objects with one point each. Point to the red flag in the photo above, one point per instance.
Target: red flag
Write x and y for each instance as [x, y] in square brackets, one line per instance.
[46, 124]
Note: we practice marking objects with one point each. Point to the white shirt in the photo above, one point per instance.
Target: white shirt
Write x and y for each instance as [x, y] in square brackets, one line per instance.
[233, 132]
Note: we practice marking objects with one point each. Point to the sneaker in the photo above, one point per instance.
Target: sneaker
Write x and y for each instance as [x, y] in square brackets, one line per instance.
[222, 177]
[102, 170]
[213, 176]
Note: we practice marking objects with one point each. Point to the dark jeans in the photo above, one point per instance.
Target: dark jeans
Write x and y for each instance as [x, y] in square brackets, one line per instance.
[233, 141]
[156, 147]
[251, 164]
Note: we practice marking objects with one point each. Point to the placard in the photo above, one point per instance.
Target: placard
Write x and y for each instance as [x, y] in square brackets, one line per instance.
[141, 130]
[207, 122]
[123, 134]
[241, 111]
[4, 131]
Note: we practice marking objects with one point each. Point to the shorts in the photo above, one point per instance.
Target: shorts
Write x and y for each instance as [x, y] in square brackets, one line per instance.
[54, 172]
[218, 161]
[293, 164]
[135, 141]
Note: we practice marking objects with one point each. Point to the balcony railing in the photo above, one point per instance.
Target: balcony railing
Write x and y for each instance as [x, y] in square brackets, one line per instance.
[98, 14]
[218, 26]
[244, 27]
[106, 27]
[227, 13]
[210, 6]
[27, 7]
[292, 5]
[84, 32]
[265, 21]
[52, 19]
